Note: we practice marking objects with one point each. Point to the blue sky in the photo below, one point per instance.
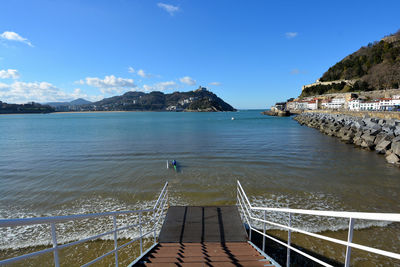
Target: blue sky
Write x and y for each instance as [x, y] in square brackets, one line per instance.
[250, 53]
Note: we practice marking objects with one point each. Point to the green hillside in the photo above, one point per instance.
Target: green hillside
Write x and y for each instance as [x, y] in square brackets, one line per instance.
[373, 67]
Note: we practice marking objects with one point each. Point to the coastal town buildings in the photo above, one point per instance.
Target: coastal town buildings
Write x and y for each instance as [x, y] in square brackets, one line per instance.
[312, 104]
[341, 103]
[335, 103]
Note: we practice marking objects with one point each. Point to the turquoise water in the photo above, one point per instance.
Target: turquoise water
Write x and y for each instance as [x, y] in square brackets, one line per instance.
[56, 164]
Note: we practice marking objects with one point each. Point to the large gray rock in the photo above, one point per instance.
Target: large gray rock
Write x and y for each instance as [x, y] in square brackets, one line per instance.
[368, 138]
[388, 128]
[393, 159]
[383, 136]
[367, 145]
[382, 147]
[396, 131]
[396, 139]
[396, 147]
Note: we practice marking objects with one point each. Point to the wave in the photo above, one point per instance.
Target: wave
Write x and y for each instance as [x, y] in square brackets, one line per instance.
[40, 235]
[310, 223]
[36, 235]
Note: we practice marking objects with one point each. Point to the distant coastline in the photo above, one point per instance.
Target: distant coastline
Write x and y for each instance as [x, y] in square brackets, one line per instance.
[112, 111]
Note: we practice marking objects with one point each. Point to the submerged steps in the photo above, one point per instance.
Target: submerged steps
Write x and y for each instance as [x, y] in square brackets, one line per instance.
[204, 254]
[203, 236]
[195, 224]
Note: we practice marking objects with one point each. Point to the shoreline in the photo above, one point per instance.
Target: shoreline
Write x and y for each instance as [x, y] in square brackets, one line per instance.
[115, 111]
[373, 134]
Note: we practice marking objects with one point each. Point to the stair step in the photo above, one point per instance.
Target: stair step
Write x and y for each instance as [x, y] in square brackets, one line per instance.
[205, 259]
[203, 264]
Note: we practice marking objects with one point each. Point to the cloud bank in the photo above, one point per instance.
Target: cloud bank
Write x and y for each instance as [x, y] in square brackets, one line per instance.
[110, 84]
[42, 92]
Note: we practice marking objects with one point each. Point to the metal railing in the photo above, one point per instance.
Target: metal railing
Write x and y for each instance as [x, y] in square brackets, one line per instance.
[157, 210]
[252, 214]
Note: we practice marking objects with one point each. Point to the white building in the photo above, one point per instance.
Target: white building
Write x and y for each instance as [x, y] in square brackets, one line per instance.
[302, 105]
[354, 104]
[335, 103]
[313, 104]
[291, 105]
[370, 105]
[389, 103]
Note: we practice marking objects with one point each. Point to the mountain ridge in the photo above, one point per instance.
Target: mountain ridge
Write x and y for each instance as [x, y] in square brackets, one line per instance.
[197, 100]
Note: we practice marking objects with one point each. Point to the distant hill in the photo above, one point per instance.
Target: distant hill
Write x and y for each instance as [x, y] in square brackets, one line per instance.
[24, 108]
[79, 101]
[73, 105]
[373, 67]
[198, 100]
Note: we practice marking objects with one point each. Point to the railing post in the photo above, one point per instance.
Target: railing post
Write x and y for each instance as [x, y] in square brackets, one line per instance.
[54, 238]
[115, 240]
[155, 225]
[167, 198]
[250, 232]
[349, 240]
[140, 232]
[237, 194]
[289, 241]
[263, 245]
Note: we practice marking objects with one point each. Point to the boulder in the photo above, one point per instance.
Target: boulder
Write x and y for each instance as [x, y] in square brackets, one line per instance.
[383, 136]
[374, 132]
[382, 147]
[393, 159]
[396, 147]
[397, 131]
[367, 145]
[368, 138]
[388, 128]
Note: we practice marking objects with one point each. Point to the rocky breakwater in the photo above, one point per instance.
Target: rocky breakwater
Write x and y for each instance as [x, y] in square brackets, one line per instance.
[279, 113]
[380, 135]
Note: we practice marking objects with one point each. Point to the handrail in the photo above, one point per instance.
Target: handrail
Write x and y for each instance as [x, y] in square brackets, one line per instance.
[65, 218]
[157, 211]
[159, 197]
[242, 200]
[392, 217]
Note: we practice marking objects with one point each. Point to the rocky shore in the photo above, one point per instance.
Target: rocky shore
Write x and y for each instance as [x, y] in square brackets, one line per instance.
[380, 135]
[279, 113]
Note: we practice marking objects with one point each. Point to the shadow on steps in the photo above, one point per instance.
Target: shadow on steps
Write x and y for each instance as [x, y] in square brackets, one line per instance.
[278, 252]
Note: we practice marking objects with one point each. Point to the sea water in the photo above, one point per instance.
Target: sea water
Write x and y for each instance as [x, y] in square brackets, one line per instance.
[68, 163]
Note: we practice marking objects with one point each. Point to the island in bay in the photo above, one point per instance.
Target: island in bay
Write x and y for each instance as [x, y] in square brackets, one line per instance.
[200, 100]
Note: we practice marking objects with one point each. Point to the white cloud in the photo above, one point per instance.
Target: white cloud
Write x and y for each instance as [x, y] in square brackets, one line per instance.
[131, 70]
[297, 71]
[291, 35]
[9, 74]
[169, 8]
[162, 86]
[187, 80]
[111, 84]
[80, 82]
[215, 83]
[13, 36]
[143, 74]
[42, 92]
